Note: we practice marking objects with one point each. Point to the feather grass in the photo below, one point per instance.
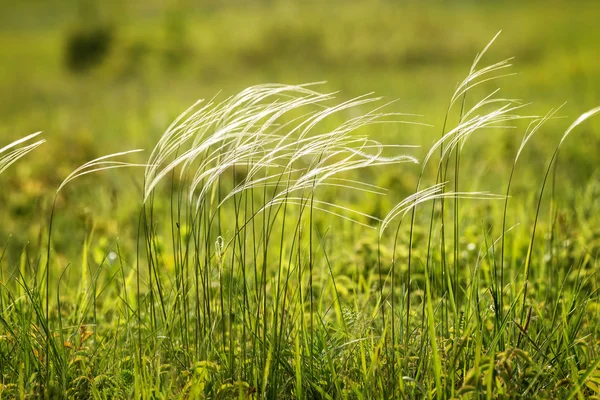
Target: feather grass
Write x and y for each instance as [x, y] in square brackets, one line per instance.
[10, 153]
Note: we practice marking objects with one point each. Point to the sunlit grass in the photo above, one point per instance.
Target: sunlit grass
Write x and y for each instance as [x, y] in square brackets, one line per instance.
[245, 281]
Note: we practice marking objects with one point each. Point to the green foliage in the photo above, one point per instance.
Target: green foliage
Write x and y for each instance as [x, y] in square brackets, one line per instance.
[264, 256]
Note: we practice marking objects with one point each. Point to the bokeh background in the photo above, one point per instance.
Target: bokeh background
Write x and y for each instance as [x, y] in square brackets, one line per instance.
[101, 76]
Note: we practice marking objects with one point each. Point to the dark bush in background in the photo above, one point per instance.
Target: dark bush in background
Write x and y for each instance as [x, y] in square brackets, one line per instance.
[87, 46]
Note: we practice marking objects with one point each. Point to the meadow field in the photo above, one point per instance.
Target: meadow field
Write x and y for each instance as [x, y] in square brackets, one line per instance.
[365, 199]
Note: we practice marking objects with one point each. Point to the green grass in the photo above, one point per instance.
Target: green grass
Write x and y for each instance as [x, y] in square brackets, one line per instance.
[283, 242]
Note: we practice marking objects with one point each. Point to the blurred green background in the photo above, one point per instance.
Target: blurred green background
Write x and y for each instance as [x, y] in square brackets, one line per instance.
[105, 76]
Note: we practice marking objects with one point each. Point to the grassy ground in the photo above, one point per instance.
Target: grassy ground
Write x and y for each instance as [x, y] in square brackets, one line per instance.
[112, 289]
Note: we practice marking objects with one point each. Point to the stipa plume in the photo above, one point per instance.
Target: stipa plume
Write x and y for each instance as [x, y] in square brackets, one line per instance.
[434, 192]
[13, 151]
[489, 112]
[477, 117]
[458, 135]
[100, 164]
[478, 76]
[273, 134]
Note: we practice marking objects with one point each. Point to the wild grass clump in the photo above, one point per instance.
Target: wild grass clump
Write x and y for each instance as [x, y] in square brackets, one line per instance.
[255, 275]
